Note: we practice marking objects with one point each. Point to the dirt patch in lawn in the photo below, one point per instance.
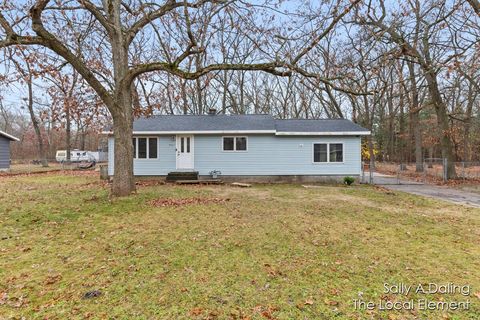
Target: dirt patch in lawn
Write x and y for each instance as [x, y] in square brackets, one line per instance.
[185, 201]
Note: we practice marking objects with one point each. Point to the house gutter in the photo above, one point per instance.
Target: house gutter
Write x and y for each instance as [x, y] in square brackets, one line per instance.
[283, 133]
[9, 136]
[325, 133]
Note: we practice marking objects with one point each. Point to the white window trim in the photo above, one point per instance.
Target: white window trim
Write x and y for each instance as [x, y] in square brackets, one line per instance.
[234, 144]
[328, 152]
[148, 148]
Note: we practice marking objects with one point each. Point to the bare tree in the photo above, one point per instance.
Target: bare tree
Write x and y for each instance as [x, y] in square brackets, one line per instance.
[430, 20]
[120, 31]
[26, 72]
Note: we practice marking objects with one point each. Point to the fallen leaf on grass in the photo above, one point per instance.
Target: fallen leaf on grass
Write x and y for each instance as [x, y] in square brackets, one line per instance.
[265, 311]
[331, 302]
[148, 183]
[185, 201]
[3, 298]
[12, 302]
[196, 311]
[477, 294]
[52, 279]
[384, 190]
[334, 292]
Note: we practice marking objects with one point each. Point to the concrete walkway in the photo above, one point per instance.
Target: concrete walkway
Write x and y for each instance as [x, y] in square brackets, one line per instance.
[438, 192]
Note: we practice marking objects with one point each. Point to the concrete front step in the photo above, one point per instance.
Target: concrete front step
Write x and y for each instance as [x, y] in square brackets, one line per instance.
[182, 175]
[204, 181]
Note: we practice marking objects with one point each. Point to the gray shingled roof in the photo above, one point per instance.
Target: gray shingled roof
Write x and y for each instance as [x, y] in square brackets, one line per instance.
[321, 125]
[256, 122]
[205, 123]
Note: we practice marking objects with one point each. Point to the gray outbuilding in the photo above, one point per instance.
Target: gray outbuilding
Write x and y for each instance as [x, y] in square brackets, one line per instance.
[5, 140]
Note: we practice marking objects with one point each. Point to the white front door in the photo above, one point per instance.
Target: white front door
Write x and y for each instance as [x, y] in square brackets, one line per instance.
[184, 152]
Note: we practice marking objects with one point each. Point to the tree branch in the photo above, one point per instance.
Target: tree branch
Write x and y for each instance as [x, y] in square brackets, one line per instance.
[97, 14]
[163, 10]
[475, 5]
[322, 35]
[171, 68]
[50, 41]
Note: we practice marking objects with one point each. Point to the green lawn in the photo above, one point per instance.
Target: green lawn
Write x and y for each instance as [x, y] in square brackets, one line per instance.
[269, 252]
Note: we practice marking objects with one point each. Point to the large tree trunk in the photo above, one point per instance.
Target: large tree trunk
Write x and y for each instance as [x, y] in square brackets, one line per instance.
[224, 92]
[36, 126]
[391, 130]
[417, 135]
[122, 110]
[183, 89]
[68, 133]
[401, 136]
[442, 122]
[415, 116]
[123, 179]
[83, 139]
[467, 123]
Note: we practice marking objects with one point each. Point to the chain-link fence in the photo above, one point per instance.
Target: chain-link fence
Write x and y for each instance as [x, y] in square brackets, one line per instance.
[432, 170]
[391, 173]
[468, 170]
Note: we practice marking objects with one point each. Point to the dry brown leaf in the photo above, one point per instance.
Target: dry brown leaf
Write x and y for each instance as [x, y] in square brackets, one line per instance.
[331, 302]
[3, 298]
[196, 311]
[53, 278]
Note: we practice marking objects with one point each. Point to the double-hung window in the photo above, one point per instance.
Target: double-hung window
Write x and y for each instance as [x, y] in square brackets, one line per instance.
[327, 152]
[235, 143]
[145, 148]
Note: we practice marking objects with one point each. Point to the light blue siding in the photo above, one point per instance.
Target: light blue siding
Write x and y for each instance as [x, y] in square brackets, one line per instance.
[150, 167]
[266, 155]
[4, 153]
[274, 155]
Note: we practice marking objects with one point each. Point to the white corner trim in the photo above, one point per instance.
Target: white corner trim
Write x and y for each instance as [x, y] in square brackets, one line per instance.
[9, 136]
[325, 133]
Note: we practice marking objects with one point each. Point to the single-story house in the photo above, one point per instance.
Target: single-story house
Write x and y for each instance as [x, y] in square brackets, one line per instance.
[245, 147]
[5, 140]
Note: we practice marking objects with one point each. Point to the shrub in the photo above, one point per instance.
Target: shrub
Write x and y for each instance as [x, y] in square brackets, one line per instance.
[348, 181]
